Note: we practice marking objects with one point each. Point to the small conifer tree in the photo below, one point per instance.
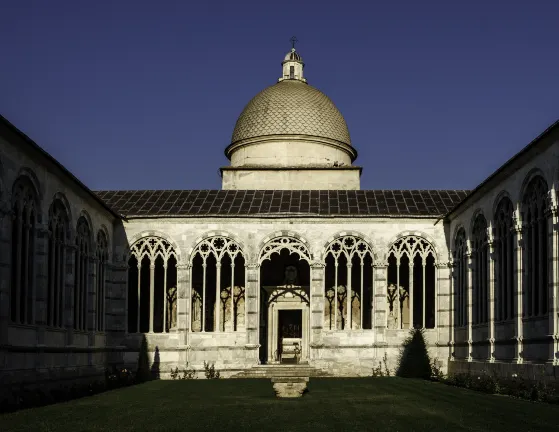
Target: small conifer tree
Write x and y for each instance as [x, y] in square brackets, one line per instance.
[143, 373]
[414, 359]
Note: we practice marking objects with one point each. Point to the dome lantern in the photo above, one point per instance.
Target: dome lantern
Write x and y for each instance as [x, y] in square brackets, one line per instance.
[293, 65]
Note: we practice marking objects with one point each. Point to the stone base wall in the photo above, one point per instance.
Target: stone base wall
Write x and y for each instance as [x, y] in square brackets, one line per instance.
[533, 371]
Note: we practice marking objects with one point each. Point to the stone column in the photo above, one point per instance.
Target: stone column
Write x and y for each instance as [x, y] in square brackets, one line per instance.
[380, 302]
[518, 288]
[553, 280]
[443, 307]
[469, 300]
[183, 300]
[491, 283]
[252, 309]
[317, 305]
[39, 282]
[452, 279]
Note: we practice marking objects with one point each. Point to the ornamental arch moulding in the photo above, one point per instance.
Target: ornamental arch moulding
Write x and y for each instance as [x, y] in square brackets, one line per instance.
[475, 215]
[61, 197]
[92, 232]
[224, 234]
[500, 196]
[154, 233]
[356, 234]
[417, 234]
[288, 240]
[28, 173]
[531, 175]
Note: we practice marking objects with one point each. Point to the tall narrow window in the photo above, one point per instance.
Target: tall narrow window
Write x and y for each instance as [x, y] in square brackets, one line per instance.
[349, 288]
[291, 72]
[101, 264]
[22, 295]
[480, 279]
[81, 274]
[534, 207]
[58, 235]
[152, 286]
[504, 262]
[460, 280]
[411, 284]
[218, 286]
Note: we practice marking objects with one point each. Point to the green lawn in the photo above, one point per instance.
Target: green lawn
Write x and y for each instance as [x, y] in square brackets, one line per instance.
[391, 404]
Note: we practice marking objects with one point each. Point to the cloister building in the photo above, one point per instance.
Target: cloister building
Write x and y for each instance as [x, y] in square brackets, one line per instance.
[289, 262]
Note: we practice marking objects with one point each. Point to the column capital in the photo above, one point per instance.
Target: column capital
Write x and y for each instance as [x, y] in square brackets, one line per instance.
[380, 265]
[184, 266]
[317, 265]
[252, 266]
[444, 265]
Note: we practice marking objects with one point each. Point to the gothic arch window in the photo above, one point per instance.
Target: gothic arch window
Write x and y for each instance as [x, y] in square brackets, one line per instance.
[24, 206]
[534, 206]
[460, 279]
[152, 286]
[102, 259]
[480, 261]
[411, 283]
[218, 286]
[56, 270]
[504, 261]
[348, 284]
[82, 271]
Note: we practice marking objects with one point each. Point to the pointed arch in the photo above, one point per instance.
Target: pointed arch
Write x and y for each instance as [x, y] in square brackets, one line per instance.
[217, 284]
[152, 285]
[535, 254]
[460, 260]
[411, 276]
[25, 215]
[101, 264]
[480, 261]
[159, 234]
[503, 219]
[348, 261]
[58, 242]
[287, 240]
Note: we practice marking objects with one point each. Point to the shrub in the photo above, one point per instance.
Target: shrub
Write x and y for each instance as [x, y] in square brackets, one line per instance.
[414, 360]
[210, 372]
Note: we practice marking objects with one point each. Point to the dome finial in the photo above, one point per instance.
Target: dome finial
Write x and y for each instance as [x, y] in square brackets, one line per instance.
[293, 64]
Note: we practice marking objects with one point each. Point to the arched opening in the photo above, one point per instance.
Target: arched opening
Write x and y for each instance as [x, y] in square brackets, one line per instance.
[218, 286]
[348, 285]
[22, 295]
[82, 274]
[152, 286]
[101, 273]
[56, 281]
[504, 261]
[411, 284]
[284, 301]
[534, 218]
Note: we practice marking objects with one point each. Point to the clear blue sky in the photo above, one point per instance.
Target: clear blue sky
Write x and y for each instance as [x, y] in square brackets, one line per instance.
[145, 94]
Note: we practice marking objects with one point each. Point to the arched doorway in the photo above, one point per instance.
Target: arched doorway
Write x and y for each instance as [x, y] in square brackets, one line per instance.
[284, 301]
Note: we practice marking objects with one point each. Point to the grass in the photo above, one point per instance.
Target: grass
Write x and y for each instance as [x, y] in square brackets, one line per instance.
[393, 404]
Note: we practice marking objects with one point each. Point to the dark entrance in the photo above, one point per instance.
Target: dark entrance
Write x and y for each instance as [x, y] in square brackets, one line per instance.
[290, 325]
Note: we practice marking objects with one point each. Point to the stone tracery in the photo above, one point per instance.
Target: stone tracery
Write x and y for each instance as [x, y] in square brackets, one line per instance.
[411, 271]
[82, 261]
[218, 285]
[152, 274]
[24, 203]
[534, 216]
[58, 239]
[348, 287]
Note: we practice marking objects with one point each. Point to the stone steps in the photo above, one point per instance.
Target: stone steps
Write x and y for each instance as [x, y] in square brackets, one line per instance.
[278, 371]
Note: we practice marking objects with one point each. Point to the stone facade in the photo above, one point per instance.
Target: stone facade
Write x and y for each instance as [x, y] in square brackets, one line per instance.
[334, 285]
